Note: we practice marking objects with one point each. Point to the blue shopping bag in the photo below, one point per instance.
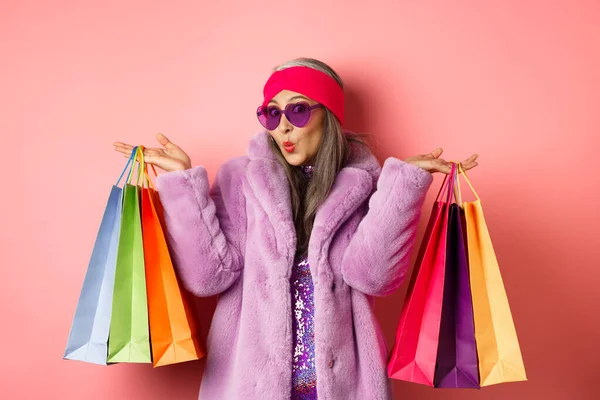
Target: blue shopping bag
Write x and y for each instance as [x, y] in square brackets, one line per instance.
[88, 337]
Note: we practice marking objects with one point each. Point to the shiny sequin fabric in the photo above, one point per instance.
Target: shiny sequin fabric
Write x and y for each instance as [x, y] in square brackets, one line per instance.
[304, 374]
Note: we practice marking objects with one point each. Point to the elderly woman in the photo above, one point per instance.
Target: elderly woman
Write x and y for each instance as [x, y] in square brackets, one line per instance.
[296, 237]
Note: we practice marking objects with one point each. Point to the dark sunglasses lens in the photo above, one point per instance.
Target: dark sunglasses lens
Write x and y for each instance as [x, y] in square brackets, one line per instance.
[261, 113]
[273, 117]
[298, 114]
[269, 116]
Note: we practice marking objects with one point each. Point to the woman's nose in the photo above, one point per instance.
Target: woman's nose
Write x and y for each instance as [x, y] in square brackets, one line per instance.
[284, 124]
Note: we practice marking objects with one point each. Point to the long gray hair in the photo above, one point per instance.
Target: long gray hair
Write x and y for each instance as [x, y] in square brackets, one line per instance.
[331, 156]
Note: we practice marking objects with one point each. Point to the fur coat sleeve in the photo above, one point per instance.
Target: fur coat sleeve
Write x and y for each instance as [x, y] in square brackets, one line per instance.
[206, 225]
[378, 255]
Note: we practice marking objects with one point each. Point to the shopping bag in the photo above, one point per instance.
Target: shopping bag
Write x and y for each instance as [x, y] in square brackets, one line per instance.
[173, 334]
[413, 357]
[129, 339]
[457, 351]
[88, 336]
[499, 354]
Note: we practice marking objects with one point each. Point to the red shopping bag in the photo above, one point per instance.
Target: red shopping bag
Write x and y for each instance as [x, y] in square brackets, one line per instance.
[413, 357]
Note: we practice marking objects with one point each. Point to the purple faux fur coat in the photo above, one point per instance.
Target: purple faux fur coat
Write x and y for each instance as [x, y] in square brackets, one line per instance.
[237, 239]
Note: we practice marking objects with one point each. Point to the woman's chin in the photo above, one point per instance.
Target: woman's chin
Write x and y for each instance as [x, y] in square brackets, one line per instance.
[295, 159]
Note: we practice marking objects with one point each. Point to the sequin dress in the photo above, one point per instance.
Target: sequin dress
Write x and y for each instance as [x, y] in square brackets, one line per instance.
[304, 374]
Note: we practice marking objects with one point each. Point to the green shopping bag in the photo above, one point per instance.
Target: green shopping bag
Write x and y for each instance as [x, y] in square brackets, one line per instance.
[129, 337]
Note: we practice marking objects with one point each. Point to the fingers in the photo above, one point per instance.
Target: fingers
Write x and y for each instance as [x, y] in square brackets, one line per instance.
[125, 152]
[440, 165]
[127, 149]
[470, 166]
[154, 158]
[119, 145]
[472, 158]
[163, 140]
[435, 153]
[470, 162]
[435, 164]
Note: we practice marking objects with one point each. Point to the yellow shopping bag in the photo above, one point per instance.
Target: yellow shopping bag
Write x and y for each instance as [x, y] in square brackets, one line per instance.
[498, 348]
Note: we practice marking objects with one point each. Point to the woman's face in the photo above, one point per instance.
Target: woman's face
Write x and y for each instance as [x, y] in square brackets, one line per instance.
[298, 145]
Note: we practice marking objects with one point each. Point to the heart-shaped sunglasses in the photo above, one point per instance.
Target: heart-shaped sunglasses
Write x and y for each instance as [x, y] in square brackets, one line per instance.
[297, 113]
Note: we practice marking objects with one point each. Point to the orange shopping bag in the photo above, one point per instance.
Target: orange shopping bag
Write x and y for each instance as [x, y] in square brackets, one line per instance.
[173, 334]
[498, 348]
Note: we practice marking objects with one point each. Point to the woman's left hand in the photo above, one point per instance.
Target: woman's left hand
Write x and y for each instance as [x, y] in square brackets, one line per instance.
[433, 163]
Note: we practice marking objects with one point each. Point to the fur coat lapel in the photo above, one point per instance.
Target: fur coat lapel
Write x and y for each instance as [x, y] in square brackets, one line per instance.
[352, 186]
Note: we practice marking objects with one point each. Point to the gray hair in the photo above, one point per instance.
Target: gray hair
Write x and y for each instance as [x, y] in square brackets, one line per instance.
[333, 152]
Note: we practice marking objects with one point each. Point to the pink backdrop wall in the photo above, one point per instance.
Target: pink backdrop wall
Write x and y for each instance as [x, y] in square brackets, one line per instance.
[516, 81]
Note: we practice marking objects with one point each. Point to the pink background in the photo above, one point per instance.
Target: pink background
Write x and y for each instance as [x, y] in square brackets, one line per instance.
[516, 81]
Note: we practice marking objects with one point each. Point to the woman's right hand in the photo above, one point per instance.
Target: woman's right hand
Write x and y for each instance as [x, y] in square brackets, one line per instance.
[169, 158]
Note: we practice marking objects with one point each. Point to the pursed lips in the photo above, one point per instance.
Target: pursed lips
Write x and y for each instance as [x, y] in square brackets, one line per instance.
[288, 146]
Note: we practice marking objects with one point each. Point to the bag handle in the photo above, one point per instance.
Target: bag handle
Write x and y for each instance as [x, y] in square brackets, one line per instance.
[464, 173]
[457, 192]
[138, 154]
[139, 158]
[446, 184]
[131, 157]
[147, 176]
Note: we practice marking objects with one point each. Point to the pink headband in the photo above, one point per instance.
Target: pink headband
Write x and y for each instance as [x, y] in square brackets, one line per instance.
[310, 82]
